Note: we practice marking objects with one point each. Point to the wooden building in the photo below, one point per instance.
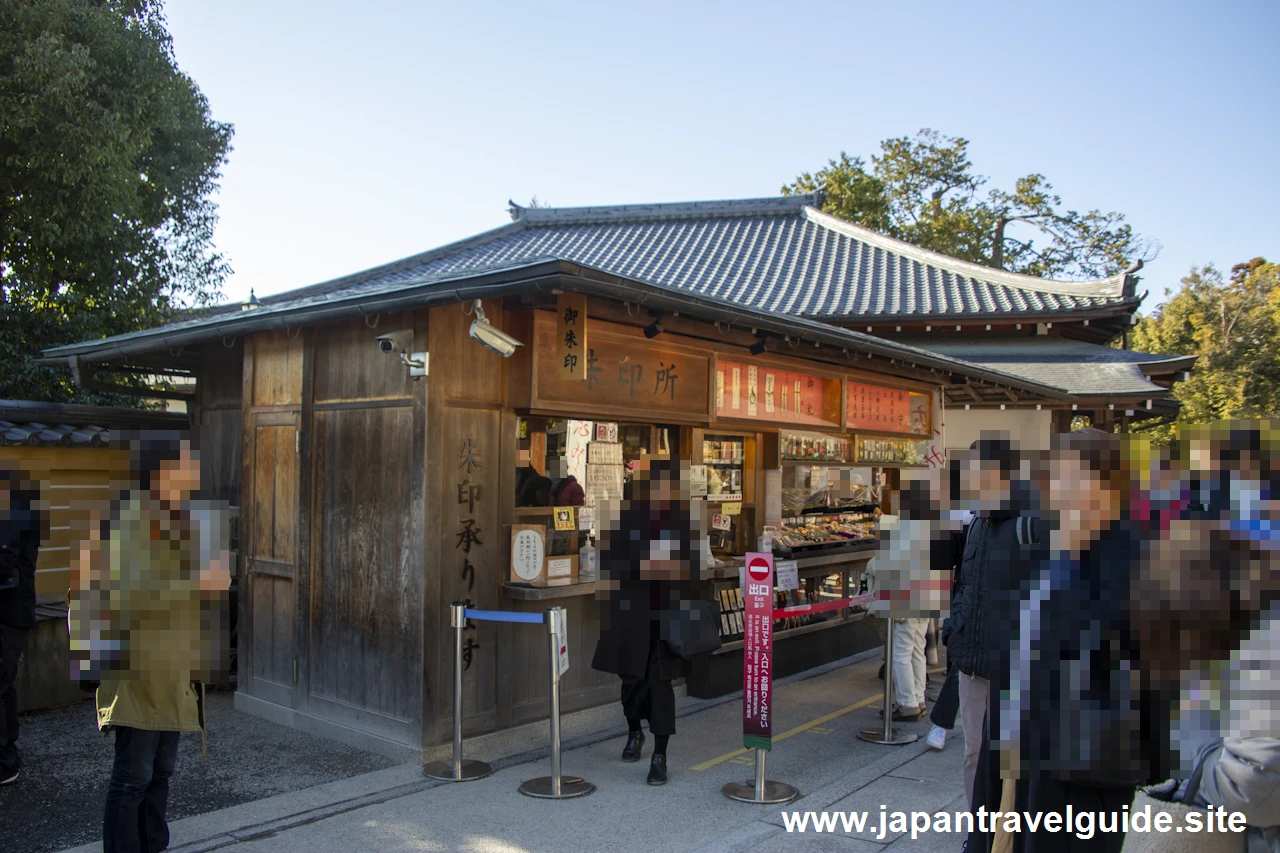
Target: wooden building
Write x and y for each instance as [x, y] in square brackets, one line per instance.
[372, 498]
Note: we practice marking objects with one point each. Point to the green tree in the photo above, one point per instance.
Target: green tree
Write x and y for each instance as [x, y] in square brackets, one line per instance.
[1233, 324]
[924, 190]
[108, 162]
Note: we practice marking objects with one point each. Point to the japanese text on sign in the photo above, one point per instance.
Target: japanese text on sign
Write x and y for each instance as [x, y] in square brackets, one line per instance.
[872, 407]
[571, 336]
[780, 396]
[757, 647]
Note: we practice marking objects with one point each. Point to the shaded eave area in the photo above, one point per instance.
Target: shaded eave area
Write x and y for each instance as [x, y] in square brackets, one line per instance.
[535, 283]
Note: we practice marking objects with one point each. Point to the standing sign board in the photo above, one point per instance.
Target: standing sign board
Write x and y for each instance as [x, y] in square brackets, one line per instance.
[757, 658]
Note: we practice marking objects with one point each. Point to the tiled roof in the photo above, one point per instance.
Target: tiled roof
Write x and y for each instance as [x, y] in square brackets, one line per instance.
[1079, 368]
[64, 435]
[775, 254]
[38, 424]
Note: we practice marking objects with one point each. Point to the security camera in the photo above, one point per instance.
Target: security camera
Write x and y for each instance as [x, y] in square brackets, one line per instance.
[494, 339]
[490, 337]
[400, 340]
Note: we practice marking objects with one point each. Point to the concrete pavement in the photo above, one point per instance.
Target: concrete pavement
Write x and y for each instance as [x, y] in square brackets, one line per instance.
[817, 717]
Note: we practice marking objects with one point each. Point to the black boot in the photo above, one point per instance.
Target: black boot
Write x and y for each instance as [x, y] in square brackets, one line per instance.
[658, 769]
[635, 743]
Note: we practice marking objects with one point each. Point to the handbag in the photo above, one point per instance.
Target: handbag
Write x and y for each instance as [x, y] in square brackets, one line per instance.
[1174, 841]
[692, 630]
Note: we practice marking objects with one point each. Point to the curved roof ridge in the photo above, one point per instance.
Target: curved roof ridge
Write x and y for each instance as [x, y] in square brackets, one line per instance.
[768, 206]
[1112, 287]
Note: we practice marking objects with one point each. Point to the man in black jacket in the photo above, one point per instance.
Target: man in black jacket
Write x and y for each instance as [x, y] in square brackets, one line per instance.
[22, 527]
[996, 549]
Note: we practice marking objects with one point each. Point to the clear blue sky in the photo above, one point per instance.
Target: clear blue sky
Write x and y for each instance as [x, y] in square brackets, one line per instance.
[368, 132]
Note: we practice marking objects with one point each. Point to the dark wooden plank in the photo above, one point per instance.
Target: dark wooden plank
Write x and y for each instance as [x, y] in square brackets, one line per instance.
[272, 568]
[247, 658]
[302, 585]
[350, 366]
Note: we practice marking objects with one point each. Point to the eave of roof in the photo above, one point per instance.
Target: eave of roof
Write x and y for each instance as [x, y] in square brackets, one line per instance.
[543, 276]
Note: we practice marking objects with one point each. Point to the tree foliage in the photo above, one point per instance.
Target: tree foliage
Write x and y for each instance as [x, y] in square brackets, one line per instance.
[1233, 324]
[108, 162]
[924, 190]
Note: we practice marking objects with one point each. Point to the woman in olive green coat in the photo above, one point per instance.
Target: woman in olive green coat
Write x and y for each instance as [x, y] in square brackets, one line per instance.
[137, 625]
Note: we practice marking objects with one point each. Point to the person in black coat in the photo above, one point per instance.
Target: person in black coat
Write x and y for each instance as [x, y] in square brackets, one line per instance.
[23, 525]
[650, 566]
[1075, 728]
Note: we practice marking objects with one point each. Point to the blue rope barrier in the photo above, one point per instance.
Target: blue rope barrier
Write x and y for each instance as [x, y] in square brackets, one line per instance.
[505, 616]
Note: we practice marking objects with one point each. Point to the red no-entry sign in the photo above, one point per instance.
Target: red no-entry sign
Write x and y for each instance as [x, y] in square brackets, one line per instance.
[757, 657]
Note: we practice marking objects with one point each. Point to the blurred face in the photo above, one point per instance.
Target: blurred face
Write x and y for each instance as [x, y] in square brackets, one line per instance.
[178, 478]
[1082, 503]
[982, 486]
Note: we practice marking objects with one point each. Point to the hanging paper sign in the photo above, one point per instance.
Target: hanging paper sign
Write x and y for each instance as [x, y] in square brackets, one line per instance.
[564, 518]
[571, 336]
[873, 408]
[732, 508]
[789, 397]
[757, 647]
[697, 481]
[721, 522]
[586, 518]
[527, 549]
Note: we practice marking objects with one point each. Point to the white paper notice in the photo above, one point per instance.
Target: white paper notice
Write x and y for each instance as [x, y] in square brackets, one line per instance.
[697, 481]
[788, 575]
[752, 379]
[575, 451]
[768, 392]
[737, 388]
[773, 496]
[719, 390]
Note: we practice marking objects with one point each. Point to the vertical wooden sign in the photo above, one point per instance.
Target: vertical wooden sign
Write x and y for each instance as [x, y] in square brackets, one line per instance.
[571, 336]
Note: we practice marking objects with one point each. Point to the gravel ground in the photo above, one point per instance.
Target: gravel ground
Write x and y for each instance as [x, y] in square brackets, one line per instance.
[57, 801]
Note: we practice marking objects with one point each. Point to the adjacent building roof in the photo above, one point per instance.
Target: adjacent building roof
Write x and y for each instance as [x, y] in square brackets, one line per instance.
[35, 424]
[1081, 369]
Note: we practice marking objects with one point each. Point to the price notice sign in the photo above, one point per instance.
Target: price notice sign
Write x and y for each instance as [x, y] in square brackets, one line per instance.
[757, 658]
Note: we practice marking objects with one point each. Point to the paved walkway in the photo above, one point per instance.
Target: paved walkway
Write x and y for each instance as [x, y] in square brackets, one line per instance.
[816, 749]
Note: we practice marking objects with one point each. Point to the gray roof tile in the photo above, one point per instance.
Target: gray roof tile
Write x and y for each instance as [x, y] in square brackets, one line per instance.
[1077, 367]
[777, 254]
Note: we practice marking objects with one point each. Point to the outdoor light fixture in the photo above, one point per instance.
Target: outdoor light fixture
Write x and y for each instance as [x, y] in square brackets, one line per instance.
[759, 347]
[653, 329]
[490, 337]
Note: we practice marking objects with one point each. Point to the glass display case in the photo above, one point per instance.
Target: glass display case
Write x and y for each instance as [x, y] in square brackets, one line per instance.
[827, 502]
[817, 588]
[728, 460]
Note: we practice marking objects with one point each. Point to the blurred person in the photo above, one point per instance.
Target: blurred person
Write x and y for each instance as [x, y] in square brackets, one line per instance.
[995, 555]
[1071, 732]
[141, 622]
[651, 564]
[23, 526]
[947, 706]
[1207, 607]
[912, 572]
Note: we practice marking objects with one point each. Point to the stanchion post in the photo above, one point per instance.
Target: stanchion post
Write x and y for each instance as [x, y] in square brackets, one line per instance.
[458, 770]
[885, 736]
[555, 786]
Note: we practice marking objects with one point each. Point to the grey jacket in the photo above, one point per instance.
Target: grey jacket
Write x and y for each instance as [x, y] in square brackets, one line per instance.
[1242, 768]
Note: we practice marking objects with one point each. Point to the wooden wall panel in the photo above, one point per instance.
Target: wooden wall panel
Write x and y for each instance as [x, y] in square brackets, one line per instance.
[274, 513]
[350, 366]
[216, 420]
[277, 369]
[364, 597]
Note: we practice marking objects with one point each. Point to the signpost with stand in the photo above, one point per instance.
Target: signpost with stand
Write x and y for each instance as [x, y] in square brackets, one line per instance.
[757, 683]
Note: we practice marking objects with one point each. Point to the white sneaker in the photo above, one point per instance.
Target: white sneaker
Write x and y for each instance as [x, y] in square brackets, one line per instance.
[937, 738]
[10, 780]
